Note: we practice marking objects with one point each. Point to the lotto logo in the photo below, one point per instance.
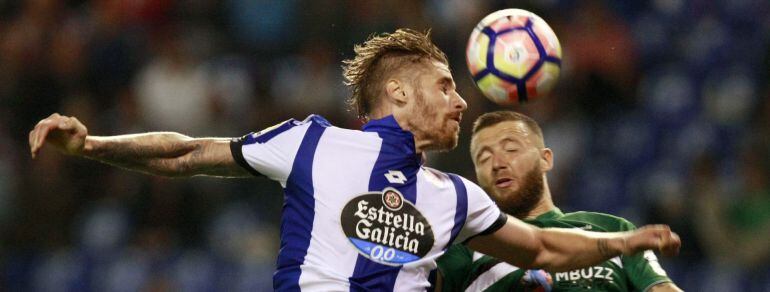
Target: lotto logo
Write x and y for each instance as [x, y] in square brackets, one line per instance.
[395, 177]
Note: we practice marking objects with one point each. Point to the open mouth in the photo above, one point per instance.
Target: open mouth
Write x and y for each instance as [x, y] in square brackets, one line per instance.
[503, 182]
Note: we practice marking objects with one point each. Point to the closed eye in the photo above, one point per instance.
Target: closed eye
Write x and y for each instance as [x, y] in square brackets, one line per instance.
[484, 157]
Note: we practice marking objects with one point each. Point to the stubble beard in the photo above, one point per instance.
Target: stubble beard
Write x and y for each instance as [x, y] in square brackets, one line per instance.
[442, 137]
[522, 201]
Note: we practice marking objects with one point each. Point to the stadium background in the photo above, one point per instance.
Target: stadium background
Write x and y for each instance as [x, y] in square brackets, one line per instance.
[661, 115]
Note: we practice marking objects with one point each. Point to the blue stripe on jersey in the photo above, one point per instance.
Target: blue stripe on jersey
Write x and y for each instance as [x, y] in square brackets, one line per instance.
[397, 154]
[298, 211]
[461, 211]
[267, 134]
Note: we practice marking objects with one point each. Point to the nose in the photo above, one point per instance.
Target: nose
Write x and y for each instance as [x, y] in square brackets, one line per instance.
[498, 163]
[459, 103]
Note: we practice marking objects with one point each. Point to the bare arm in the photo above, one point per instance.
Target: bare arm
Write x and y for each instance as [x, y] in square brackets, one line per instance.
[665, 287]
[557, 250]
[161, 153]
[166, 154]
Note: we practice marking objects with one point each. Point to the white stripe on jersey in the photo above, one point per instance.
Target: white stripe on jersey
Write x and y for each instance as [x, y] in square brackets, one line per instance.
[654, 264]
[412, 278]
[617, 261]
[491, 276]
[434, 189]
[274, 159]
[477, 200]
[336, 253]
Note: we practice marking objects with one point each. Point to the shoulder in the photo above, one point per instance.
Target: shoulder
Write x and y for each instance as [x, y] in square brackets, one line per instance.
[450, 179]
[607, 222]
[318, 120]
[311, 124]
[287, 126]
[471, 187]
[435, 176]
[310, 120]
[336, 132]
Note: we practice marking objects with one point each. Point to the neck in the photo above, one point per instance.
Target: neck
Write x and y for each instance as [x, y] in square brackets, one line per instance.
[544, 206]
[420, 143]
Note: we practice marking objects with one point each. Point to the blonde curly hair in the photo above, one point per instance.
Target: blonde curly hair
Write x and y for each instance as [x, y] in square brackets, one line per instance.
[381, 56]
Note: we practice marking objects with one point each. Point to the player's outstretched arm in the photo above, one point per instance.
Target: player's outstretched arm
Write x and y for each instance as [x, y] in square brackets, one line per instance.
[159, 153]
[558, 250]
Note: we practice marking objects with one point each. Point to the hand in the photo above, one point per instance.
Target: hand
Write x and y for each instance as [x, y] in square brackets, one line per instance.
[65, 133]
[652, 237]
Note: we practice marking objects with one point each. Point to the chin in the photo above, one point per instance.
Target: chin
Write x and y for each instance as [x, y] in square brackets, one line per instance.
[448, 144]
[504, 194]
[445, 143]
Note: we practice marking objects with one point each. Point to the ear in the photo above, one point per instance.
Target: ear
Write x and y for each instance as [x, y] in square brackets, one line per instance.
[546, 159]
[396, 91]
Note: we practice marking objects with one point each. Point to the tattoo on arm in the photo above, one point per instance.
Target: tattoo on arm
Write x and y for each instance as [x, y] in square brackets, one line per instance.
[168, 154]
[127, 151]
[212, 157]
[138, 152]
[603, 247]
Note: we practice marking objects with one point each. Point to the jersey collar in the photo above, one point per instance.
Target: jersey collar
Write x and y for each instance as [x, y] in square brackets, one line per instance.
[553, 214]
[391, 132]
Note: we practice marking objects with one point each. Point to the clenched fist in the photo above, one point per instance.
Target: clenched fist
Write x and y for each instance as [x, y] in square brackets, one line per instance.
[652, 237]
[67, 134]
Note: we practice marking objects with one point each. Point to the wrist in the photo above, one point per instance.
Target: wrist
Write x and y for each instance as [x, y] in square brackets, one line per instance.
[621, 244]
[612, 246]
[89, 145]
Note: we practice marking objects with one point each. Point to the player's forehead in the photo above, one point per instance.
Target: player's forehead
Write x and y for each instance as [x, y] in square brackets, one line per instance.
[441, 69]
[435, 71]
[502, 132]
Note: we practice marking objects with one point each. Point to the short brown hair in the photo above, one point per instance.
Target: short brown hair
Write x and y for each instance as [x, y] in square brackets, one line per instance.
[493, 118]
[378, 57]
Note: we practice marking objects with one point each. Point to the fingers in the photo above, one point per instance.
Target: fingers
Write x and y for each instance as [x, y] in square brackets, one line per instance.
[32, 142]
[65, 124]
[77, 127]
[670, 244]
[38, 135]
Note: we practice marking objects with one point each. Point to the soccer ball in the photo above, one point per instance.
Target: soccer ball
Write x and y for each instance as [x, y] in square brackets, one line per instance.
[513, 56]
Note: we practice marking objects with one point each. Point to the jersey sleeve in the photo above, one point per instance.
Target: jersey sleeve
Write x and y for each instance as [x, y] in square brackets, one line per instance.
[484, 217]
[455, 266]
[642, 269]
[270, 152]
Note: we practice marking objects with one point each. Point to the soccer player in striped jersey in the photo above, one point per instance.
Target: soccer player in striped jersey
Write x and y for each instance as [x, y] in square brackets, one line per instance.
[511, 163]
[361, 211]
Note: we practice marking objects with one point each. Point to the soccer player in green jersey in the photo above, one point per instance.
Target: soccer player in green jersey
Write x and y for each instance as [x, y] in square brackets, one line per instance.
[511, 161]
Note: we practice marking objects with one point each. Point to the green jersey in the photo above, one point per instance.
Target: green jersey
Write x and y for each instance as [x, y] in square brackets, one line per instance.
[465, 270]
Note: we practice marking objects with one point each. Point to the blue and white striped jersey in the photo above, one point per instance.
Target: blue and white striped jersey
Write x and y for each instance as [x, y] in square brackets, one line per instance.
[360, 211]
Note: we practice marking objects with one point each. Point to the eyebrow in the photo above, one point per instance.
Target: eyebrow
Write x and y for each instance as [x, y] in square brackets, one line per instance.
[447, 80]
[488, 148]
[506, 139]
